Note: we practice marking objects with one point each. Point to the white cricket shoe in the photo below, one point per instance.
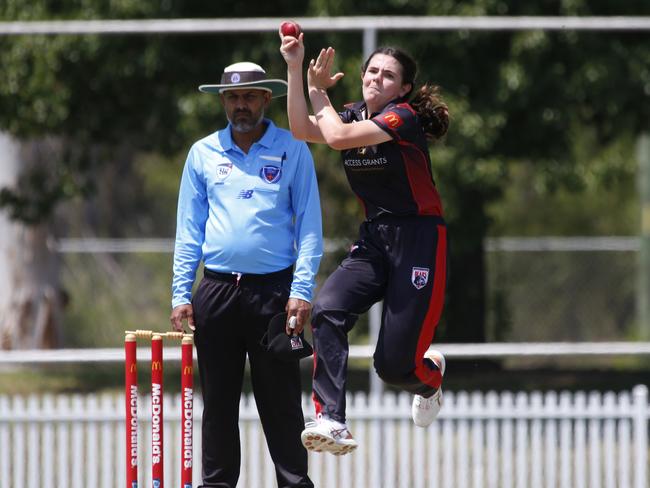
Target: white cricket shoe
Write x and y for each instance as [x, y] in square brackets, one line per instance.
[424, 410]
[328, 435]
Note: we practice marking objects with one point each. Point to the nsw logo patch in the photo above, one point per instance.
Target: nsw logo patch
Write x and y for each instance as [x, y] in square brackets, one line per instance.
[223, 171]
[270, 173]
[420, 277]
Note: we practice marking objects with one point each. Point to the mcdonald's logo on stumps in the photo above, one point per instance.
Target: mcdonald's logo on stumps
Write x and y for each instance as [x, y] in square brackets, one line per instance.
[131, 395]
[187, 385]
[157, 418]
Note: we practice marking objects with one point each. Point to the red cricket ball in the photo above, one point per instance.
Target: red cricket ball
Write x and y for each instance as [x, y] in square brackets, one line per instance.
[290, 28]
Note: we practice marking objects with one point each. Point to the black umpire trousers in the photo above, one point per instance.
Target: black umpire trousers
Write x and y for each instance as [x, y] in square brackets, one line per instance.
[231, 316]
[402, 260]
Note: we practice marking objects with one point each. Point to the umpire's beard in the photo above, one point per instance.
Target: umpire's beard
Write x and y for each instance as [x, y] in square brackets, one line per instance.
[245, 124]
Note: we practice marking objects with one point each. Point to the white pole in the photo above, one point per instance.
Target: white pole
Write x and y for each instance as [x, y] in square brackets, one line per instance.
[327, 24]
[369, 41]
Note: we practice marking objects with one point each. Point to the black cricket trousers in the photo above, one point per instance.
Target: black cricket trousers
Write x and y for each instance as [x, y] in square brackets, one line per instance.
[404, 261]
[231, 316]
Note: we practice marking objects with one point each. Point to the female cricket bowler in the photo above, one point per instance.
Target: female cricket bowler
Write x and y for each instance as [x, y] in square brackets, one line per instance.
[400, 255]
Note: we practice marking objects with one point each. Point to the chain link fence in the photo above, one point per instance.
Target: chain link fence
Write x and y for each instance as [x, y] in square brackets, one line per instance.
[561, 289]
[537, 289]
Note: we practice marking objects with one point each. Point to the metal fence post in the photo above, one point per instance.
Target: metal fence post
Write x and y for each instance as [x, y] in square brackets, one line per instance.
[369, 41]
[643, 293]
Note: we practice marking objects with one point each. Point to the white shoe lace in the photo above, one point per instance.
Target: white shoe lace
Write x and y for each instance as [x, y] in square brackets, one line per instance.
[336, 429]
[342, 433]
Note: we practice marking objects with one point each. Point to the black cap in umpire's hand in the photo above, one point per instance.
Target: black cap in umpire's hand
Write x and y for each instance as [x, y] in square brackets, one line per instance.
[284, 347]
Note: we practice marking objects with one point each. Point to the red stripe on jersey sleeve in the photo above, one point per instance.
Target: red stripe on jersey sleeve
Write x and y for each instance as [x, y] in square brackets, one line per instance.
[407, 107]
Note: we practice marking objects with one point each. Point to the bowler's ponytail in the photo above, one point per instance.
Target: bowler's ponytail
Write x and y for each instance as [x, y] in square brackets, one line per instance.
[432, 111]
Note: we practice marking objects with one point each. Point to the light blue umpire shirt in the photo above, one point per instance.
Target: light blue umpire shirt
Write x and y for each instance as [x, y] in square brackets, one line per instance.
[248, 213]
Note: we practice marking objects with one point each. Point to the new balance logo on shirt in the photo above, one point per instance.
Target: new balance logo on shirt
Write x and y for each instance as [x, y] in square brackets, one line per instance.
[245, 194]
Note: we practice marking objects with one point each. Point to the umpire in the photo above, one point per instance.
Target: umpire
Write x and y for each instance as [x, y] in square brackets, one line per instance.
[249, 208]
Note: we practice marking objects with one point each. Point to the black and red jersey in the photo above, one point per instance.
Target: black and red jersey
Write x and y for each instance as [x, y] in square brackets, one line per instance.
[393, 177]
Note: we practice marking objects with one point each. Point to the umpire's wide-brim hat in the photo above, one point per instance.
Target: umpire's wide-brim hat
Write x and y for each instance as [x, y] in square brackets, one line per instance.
[240, 76]
[284, 347]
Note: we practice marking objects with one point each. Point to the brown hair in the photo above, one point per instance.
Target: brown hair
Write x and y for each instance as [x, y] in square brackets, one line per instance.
[432, 111]
[427, 102]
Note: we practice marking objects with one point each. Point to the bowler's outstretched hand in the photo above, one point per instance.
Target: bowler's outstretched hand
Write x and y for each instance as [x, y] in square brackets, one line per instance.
[319, 73]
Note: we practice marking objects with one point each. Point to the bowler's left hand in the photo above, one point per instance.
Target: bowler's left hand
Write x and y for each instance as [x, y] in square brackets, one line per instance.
[319, 72]
[300, 309]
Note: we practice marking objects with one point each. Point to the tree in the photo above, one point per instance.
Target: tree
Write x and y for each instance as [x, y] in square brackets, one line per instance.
[71, 106]
[514, 97]
[28, 278]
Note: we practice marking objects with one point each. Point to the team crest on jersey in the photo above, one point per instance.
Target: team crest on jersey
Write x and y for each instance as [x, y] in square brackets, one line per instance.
[223, 171]
[392, 120]
[270, 173]
[420, 277]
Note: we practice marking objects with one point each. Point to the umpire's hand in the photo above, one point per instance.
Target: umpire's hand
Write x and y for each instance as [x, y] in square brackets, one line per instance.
[181, 313]
[301, 310]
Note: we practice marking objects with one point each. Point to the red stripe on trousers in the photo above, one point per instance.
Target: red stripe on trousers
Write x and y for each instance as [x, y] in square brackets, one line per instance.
[317, 405]
[425, 374]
